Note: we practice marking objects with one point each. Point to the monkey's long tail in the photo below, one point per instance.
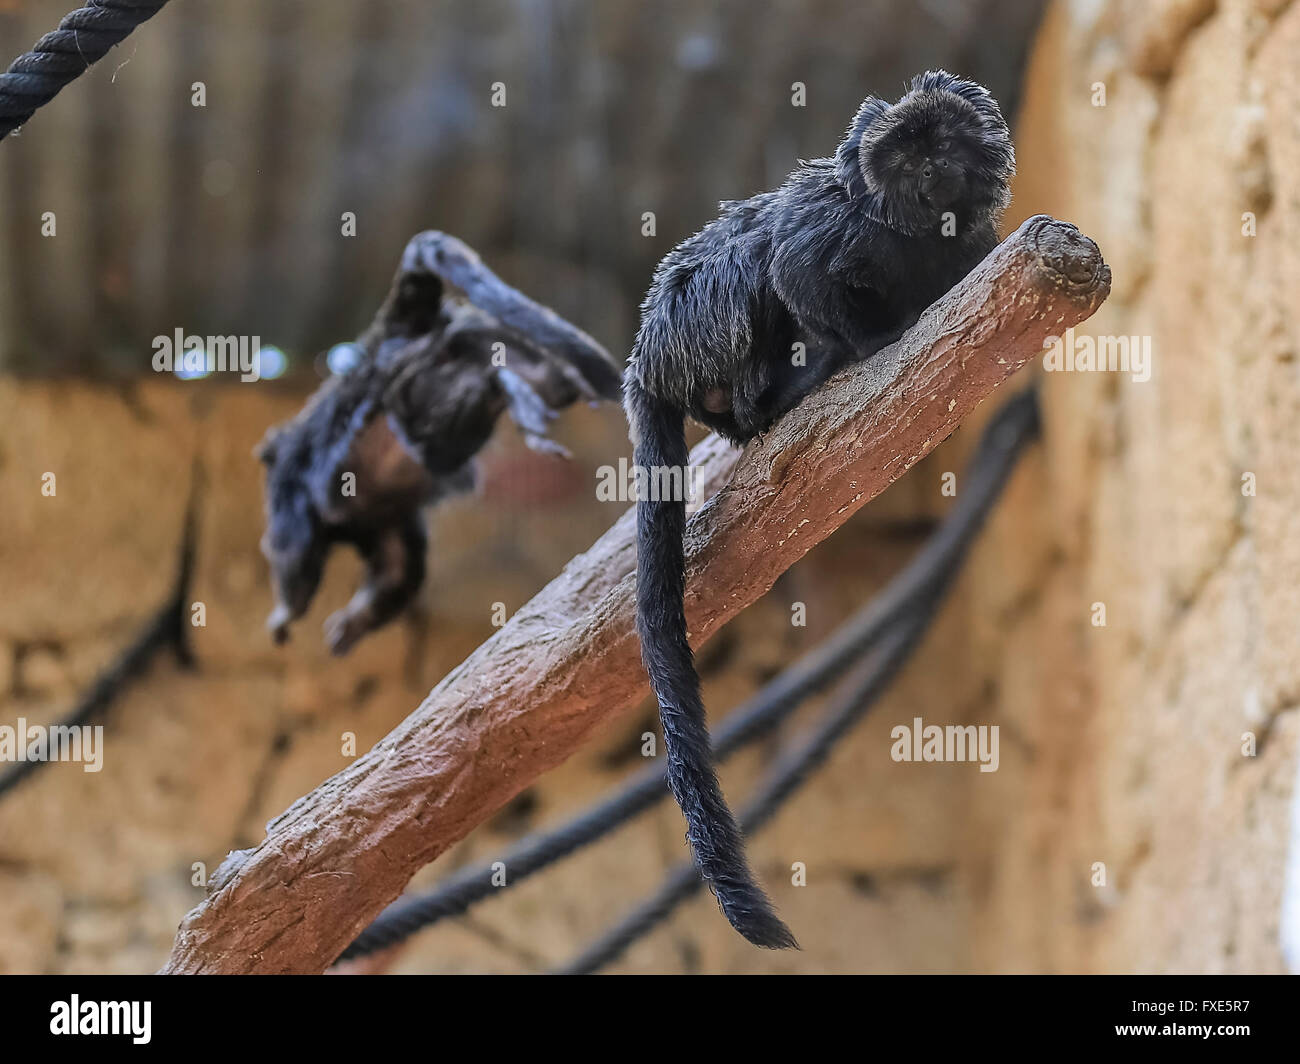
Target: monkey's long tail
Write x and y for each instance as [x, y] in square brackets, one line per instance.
[715, 837]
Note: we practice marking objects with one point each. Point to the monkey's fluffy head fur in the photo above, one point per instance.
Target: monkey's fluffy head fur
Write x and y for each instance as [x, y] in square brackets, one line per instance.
[943, 147]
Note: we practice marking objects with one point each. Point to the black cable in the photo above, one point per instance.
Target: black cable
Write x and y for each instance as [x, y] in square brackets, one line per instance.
[1013, 426]
[166, 628]
[1006, 434]
[754, 718]
[864, 684]
[59, 58]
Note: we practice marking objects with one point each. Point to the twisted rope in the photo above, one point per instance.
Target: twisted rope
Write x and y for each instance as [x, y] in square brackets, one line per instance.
[867, 681]
[83, 37]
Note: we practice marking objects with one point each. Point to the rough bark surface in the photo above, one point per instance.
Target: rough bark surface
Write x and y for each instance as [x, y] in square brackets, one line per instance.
[569, 660]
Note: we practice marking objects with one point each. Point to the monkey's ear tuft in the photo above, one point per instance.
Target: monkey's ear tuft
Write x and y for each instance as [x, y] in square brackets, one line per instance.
[975, 94]
[850, 157]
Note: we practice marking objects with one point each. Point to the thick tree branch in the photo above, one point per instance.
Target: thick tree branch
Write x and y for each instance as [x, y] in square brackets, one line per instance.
[568, 660]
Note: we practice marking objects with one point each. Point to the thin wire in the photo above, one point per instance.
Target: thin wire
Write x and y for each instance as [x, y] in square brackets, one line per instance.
[60, 57]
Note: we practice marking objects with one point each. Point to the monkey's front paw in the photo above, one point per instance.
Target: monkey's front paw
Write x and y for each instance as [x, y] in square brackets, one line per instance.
[546, 445]
[342, 630]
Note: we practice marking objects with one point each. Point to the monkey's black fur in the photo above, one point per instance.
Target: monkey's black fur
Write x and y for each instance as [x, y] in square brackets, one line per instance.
[840, 259]
[873, 630]
[436, 374]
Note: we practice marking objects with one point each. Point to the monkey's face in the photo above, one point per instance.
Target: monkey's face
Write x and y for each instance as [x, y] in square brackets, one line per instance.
[942, 148]
[418, 303]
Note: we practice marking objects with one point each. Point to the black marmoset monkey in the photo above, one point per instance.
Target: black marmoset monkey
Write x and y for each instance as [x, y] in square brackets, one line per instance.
[842, 259]
[435, 374]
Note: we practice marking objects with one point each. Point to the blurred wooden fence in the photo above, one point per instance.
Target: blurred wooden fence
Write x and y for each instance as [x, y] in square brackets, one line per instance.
[226, 218]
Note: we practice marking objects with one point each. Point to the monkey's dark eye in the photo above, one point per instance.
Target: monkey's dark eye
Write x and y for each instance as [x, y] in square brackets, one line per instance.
[944, 144]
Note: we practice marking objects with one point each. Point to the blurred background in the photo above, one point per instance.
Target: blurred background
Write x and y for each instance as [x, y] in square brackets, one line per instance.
[1122, 745]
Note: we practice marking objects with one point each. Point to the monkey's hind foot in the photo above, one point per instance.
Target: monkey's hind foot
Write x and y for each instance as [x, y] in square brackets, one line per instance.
[277, 623]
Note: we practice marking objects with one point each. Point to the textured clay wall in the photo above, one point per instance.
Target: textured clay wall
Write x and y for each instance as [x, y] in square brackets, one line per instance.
[1121, 745]
[1172, 502]
[95, 869]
